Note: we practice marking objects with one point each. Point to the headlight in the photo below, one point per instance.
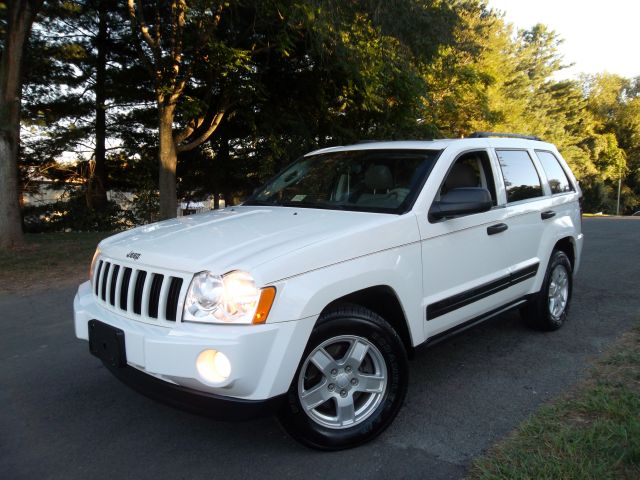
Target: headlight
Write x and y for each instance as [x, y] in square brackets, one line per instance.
[231, 298]
[207, 291]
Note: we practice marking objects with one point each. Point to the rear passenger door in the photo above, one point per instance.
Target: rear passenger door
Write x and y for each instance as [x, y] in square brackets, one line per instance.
[525, 202]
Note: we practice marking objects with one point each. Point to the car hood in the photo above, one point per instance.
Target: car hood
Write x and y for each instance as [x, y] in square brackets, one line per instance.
[247, 237]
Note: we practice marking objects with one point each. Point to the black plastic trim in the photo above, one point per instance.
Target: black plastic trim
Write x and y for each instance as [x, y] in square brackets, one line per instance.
[138, 290]
[124, 288]
[107, 343]
[497, 228]
[154, 295]
[213, 406]
[547, 215]
[172, 298]
[476, 321]
[449, 304]
[504, 135]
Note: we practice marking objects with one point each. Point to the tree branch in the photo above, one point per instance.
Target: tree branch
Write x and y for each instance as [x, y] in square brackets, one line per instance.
[191, 127]
[143, 29]
[215, 122]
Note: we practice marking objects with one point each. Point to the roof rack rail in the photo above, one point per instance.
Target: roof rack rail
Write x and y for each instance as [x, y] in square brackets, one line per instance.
[361, 142]
[503, 135]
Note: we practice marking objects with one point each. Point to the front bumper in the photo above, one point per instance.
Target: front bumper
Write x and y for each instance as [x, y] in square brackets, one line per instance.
[207, 404]
[263, 358]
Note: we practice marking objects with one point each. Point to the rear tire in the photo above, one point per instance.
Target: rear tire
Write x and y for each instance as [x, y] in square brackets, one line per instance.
[351, 381]
[550, 307]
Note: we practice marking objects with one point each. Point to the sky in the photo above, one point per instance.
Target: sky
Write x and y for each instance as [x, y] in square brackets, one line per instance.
[598, 35]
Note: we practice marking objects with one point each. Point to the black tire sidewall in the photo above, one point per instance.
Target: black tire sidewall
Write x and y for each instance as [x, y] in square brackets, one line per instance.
[538, 314]
[558, 258]
[366, 324]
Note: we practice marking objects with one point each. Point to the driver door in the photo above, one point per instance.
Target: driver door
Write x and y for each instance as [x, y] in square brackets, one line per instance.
[464, 260]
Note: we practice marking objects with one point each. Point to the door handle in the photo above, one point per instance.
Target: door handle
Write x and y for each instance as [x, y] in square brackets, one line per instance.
[493, 229]
[548, 214]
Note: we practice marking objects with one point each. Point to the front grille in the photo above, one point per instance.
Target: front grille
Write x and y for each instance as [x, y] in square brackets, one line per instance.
[139, 293]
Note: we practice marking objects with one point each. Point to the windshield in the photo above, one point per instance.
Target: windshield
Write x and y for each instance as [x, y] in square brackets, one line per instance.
[365, 180]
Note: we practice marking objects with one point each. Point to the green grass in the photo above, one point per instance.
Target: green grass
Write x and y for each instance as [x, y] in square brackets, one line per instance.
[593, 433]
[48, 259]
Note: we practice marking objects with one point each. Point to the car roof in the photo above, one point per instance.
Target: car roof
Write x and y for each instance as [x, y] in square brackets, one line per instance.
[438, 144]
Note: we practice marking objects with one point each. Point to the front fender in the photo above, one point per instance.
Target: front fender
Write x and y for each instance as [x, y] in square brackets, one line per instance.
[399, 268]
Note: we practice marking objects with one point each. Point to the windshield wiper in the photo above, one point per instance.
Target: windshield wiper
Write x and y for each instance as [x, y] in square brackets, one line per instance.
[257, 203]
[324, 206]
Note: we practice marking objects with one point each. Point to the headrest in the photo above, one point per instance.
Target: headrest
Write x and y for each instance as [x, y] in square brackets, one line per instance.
[461, 176]
[378, 177]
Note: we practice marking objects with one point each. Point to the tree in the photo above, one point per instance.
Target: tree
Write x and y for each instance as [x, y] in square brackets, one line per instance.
[171, 49]
[324, 71]
[73, 89]
[615, 104]
[19, 18]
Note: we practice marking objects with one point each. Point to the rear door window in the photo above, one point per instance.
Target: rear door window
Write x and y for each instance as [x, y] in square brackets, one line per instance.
[520, 175]
[557, 177]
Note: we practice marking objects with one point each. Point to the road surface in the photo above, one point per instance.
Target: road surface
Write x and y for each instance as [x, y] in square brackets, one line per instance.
[64, 416]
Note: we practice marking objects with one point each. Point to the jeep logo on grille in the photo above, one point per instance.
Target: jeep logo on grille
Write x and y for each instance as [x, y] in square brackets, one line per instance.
[134, 255]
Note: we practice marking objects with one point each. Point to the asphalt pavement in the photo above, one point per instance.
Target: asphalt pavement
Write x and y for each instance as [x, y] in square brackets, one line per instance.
[62, 414]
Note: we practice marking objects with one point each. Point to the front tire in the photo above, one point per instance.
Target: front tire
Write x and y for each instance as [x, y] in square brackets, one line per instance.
[350, 383]
[549, 309]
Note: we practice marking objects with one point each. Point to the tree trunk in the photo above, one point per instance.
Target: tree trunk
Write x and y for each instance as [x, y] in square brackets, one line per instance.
[168, 157]
[97, 186]
[221, 161]
[19, 19]
[10, 219]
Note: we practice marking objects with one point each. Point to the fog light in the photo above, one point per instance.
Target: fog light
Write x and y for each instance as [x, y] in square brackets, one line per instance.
[213, 366]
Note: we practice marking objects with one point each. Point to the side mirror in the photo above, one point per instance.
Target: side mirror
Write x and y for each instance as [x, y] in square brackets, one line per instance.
[461, 201]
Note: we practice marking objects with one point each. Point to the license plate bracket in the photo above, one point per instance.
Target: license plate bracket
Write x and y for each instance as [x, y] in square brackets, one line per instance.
[107, 343]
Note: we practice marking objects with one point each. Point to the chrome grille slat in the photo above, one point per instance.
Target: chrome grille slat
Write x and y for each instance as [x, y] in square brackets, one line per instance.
[142, 294]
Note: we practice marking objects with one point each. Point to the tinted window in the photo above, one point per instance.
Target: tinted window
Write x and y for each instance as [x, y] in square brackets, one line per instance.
[520, 175]
[556, 175]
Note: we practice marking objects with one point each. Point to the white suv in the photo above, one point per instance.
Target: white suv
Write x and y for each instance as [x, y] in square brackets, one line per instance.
[307, 300]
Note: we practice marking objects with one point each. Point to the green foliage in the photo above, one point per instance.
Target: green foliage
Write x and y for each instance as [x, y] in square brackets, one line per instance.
[293, 76]
[145, 207]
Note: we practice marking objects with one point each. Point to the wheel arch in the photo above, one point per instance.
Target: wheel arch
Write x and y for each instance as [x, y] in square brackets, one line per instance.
[567, 245]
[382, 300]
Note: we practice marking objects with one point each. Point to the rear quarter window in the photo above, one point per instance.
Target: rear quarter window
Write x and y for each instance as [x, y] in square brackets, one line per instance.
[520, 175]
[557, 177]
